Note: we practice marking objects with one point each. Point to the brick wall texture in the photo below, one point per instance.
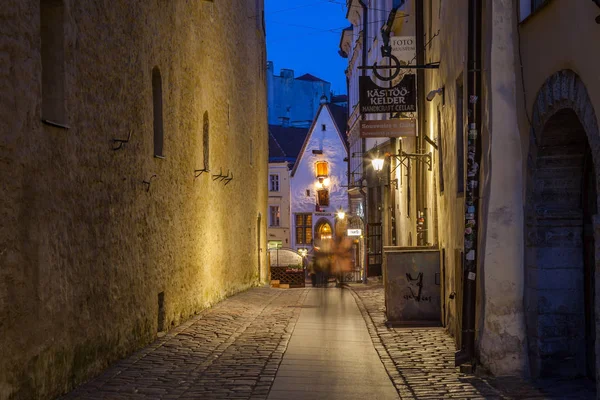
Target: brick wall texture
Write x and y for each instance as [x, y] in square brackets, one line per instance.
[85, 246]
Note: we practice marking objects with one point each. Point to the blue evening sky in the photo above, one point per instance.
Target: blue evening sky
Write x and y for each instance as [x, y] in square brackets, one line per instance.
[304, 35]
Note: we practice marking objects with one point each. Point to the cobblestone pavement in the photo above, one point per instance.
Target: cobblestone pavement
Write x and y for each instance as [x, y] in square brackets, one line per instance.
[420, 362]
[232, 350]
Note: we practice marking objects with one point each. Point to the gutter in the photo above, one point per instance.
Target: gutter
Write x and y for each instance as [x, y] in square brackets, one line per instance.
[472, 210]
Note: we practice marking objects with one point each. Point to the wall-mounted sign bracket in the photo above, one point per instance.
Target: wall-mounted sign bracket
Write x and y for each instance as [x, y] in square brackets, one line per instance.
[404, 158]
[435, 65]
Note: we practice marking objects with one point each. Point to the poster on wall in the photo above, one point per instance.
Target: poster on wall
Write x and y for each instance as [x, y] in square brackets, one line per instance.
[375, 99]
[404, 49]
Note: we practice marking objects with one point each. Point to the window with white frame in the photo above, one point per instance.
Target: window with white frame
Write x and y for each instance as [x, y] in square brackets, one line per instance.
[274, 215]
[274, 183]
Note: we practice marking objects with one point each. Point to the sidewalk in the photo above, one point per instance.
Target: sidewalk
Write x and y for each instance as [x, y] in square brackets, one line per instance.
[420, 362]
[330, 354]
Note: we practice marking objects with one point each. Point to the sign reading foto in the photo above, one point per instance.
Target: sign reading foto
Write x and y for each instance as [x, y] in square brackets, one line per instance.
[354, 232]
[399, 98]
[404, 48]
[392, 128]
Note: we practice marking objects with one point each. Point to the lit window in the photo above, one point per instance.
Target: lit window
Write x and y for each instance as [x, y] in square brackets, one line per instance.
[322, 168]
[303, 228]
[274, 183]
[274, 215]
[323, 197]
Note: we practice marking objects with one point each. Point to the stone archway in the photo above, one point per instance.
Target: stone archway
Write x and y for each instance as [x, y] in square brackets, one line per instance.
[560, 226]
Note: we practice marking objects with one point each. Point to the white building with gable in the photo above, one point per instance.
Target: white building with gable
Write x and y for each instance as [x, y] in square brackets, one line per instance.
[319, 178]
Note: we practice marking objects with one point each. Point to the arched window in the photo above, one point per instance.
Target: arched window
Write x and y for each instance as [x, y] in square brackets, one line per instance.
[205, 139]
[52, 16]
[158, 112]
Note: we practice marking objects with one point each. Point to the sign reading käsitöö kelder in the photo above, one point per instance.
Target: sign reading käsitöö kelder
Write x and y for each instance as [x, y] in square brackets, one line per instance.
[375, 99]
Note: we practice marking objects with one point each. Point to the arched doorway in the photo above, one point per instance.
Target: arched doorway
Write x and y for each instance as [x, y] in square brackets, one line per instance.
[323, 230]
[560, 254]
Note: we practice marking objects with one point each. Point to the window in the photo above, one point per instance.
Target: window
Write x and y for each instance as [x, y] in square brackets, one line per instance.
[322, 168]
[528, 7]
[158, 112]
[323, 197]
[440, 150]
[307, 192]
[205, 140]
[323, 127]
[460, 137]
[274, 215]
[52, 34]
[303, 228]
[274, 183]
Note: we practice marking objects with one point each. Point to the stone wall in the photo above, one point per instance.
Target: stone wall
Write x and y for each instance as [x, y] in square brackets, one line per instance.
[86, 248]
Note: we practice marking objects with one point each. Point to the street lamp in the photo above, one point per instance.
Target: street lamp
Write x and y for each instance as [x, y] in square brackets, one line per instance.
[377, 163]
[341, 214]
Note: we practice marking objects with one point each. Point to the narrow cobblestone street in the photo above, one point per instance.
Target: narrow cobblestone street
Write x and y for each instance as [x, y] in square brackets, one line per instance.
[305, 344]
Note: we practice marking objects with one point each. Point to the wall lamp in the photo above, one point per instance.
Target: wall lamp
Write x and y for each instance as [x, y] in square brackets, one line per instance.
[433, 93]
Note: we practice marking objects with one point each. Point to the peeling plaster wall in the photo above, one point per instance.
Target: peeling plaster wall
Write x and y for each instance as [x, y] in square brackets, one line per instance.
[502, 340]
[84, 248]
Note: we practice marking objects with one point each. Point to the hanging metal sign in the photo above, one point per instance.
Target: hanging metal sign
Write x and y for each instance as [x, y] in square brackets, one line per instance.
[399, 98]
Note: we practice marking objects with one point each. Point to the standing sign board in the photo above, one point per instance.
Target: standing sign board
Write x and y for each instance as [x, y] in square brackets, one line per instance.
[399, 98]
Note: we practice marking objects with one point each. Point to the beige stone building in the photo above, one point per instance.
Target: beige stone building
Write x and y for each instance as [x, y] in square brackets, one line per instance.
[507, 109]
[537, 144]
[133, 161]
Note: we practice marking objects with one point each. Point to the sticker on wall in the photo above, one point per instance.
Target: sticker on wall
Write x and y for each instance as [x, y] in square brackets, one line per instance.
[473, 170]
[469, 216]
[473, 99]
[468, 231]
[472, 134]
[471, 255]
[471, 209]
[471, 276]
[468, 244]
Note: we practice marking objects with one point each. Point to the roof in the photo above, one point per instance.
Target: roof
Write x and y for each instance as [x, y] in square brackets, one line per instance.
[339, 98]
[340, 120]
[310, 78]
[340, 115]
[285, 141]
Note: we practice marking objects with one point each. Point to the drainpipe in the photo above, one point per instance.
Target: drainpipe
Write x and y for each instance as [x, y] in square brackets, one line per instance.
[467, 352]
[419, 171]
[363, 140]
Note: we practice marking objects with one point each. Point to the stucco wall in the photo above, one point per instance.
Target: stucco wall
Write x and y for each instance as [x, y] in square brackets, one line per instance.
[450, 203]
[280, 198]
[304, 176]
[500, 328]
[84, 248]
